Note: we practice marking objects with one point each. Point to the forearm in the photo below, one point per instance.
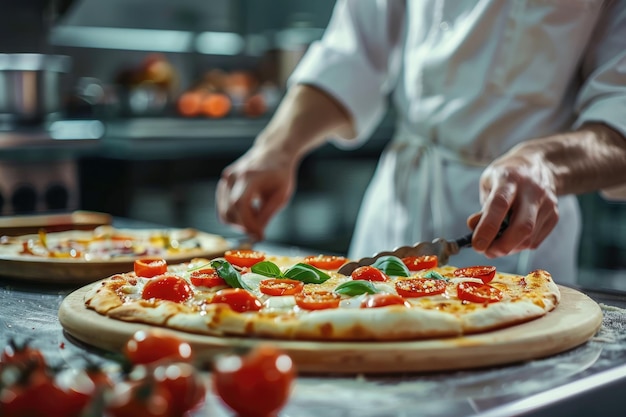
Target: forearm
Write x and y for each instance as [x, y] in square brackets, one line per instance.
[588, 159]
[304, 120]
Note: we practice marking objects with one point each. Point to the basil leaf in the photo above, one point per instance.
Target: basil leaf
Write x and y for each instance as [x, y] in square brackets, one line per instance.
[306, 273]
[229, 274]
[266, 268]
[356, 288]
[435, 275]
[392, 266]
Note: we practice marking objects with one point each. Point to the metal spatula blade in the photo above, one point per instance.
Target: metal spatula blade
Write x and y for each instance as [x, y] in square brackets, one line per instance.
[442, 248]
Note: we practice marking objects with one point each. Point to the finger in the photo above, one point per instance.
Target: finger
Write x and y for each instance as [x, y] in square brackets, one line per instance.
[495, 209]
[547, 220]
[472, 220]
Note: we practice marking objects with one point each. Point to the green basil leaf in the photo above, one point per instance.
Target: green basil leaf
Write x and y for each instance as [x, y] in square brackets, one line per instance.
[266, 268]
[392, 266]
[356, 288]
[435, 275]
[229, 274]
[306, 273]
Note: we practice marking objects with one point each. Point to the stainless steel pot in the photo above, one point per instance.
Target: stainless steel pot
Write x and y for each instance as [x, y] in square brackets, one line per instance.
[30, 87]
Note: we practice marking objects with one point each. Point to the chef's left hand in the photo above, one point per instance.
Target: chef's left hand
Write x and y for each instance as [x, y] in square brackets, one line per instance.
[521, 183]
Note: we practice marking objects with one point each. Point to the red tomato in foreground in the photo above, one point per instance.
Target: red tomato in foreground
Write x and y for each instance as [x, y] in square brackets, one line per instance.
[184, 385]
[420, 287]
[153, 345]
[237, 299]
[206, 277]
[318, 300]
[484, 273]
[21, 355]
[325, 261]
[279, 286]
[419, 263]
[382, 300]
[148, 268]
[257, 384]
[479, 293]
[244, 257]
[139, 398]
[167, 287]
[369, 273]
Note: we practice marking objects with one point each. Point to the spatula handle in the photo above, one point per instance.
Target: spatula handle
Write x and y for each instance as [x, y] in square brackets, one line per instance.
[466, 241]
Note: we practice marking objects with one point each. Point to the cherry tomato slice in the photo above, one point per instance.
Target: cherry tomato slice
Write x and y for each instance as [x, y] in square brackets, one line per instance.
[484, 273]
[153, 345]
[419, 263]
[278, 286]
[325, 261]
[244, 257]
[237, 299]
[150, 267]
[382, 300]
[167, 287]
[369, 273]
[420, 287]
[257, 384]
[206, 277]
[479, 293]
[318, 300]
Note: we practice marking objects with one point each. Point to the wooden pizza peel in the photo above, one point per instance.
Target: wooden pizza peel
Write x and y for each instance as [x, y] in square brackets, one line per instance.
[575, 320]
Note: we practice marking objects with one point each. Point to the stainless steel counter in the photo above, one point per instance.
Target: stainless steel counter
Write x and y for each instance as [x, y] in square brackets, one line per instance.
[586, 381]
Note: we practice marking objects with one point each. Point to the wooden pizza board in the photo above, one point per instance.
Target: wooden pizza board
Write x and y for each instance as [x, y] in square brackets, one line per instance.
[576, 319]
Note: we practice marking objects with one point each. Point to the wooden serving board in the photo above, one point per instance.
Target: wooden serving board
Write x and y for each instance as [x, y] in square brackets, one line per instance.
[572, 323]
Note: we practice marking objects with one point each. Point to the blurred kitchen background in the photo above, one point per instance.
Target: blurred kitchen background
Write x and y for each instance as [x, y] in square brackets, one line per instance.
[133, 107]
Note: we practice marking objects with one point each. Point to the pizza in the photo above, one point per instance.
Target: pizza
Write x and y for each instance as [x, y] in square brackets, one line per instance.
[108, 243]
[247, 293]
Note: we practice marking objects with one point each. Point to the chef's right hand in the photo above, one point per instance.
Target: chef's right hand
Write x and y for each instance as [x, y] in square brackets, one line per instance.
[254, 188]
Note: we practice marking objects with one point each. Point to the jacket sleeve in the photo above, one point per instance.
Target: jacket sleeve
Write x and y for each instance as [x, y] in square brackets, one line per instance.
[357, 60]
[602, 97]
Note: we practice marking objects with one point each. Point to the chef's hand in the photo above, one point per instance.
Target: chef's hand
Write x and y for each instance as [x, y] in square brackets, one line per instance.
[254, 188]
[521, 183]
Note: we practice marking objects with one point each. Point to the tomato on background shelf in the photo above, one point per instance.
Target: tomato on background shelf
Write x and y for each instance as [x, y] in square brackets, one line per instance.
[281, 286]
[484, 273]
[369, 273]
[150, 267]
[154, 345]
[257, 384]
[244, 258]
[419, 263]
[325, 261]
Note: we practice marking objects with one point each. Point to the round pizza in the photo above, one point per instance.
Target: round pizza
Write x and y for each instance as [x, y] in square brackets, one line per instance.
[73, 256]
[248, 293]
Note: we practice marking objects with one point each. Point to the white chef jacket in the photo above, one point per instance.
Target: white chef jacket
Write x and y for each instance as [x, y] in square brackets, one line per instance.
[468, 81]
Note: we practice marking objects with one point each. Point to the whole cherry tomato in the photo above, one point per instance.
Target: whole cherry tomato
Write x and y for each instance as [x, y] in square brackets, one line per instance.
[325, 261]
[153, 345]
[237, 299]
[21, 355]
[136, 398]
[257, 384]
[167, 287]
[183, 383]
[244, 257]
[369, 273]
[383, 300]
[150, 267]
